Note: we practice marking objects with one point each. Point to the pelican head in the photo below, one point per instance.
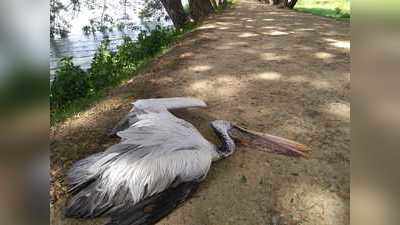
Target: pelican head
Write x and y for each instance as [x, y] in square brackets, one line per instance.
[232, 135]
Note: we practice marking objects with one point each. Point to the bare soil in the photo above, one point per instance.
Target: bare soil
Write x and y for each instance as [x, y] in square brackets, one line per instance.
[272, 70]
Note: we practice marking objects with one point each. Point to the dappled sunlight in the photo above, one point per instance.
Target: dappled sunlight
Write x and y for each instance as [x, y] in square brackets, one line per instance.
[275, 33]
[228, 18]
[223, 86]
[165, 80]
[227, 80]
[324, 55]
[248, 34]
[315, 83]
[338, 43]
[200, 68]
[245, 19]
[305, 29]
[250, 50]
[238, 43]
[223, 28]
[207, 26]
[282, 28]
[320, 84]
[297, 79]
[269, 76]
[270, 73]
[338, 109]
[268, 46]
[268, 19]
[86, 119]
[186, 55]
[227, 86]
[231, 45]
[201, 85]
[269, 27]
[269, 56]
[274, 13]
[310, 201]
[331, 33]
[296, 127]
[228, 24]
[304, 47]
[224, 47]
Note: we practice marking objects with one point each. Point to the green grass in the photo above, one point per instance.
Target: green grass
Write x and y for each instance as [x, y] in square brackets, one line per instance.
[59, 114]
[221, 8]
[338, 9]
[73, 107]
[82, 104]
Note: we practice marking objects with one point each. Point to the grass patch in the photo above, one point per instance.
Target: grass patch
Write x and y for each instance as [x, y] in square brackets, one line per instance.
[73, 108]
[338, 9]
[74, 90]
[228, 4]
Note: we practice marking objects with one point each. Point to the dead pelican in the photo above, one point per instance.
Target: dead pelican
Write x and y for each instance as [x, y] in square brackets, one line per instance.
[158, 163]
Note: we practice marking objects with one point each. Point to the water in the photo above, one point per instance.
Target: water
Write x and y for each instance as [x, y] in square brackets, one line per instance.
[82, 47]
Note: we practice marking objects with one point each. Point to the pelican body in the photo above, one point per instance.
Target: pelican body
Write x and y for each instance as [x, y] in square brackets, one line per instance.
[158, 163]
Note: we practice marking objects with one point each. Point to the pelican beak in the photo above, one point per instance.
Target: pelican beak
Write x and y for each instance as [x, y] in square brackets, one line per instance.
[267, 142]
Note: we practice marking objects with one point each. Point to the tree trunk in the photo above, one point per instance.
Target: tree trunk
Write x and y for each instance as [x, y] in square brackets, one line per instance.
[222, 3]
[283, 3]
[200, 9]
[290, 3]
[214, 4]
[175, 11]
[277, 2]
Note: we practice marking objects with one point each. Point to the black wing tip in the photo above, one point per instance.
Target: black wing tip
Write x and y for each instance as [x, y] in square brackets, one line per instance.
[154, 208]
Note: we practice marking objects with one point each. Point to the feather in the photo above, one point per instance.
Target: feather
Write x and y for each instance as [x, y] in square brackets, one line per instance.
[155, 105]
[153, 152]
[153, 208]
[169, 103]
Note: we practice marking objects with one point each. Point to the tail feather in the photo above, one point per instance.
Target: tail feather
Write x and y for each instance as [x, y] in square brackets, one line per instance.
[154, 208]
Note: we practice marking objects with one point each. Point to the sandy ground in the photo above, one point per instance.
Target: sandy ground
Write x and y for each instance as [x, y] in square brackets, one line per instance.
[270, 70]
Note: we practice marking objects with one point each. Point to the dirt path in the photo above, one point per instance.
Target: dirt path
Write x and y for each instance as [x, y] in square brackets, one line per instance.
[271, 70]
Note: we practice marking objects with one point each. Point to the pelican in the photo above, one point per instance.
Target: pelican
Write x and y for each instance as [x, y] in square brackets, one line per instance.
[158, 163]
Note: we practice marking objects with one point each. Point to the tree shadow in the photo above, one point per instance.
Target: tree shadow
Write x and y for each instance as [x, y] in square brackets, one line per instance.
[294, 85]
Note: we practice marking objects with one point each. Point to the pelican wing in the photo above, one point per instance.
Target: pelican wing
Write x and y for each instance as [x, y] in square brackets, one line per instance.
[170, 103]
[156, 153]
[154, 105]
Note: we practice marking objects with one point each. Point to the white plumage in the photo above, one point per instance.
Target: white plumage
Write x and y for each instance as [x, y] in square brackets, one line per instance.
[157, 165]
[155, 152]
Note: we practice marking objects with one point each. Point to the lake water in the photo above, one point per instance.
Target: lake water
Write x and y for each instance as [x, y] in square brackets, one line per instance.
[82, 47]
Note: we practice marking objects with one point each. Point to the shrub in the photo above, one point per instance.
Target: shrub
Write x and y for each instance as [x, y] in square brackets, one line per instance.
[103, 71]
[70, 83]
[73, 88]
[128, 56]
[151, 42]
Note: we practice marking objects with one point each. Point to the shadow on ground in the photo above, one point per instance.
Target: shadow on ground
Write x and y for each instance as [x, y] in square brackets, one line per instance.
[271, 70]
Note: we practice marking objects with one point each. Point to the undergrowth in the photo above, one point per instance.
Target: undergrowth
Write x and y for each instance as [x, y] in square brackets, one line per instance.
[74, 89]
[339, 9]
